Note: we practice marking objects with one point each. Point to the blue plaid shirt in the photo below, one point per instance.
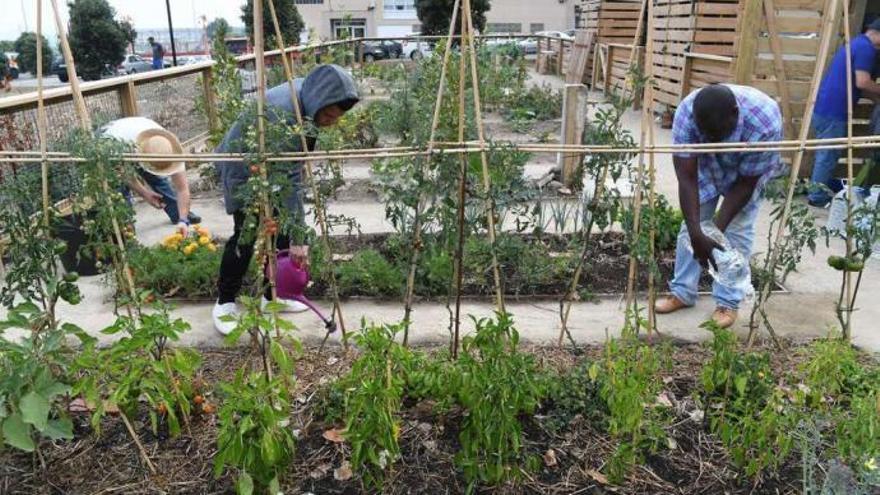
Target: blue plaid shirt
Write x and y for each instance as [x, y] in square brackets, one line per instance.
[759, 121]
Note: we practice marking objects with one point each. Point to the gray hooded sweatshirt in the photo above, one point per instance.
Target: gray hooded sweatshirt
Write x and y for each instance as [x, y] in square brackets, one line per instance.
[325, 85]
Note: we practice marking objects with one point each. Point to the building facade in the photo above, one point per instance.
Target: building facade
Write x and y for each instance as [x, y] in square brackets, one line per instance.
[333, 19]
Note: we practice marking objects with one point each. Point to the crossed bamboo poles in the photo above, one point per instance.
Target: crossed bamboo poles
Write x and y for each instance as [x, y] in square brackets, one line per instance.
[461, 147]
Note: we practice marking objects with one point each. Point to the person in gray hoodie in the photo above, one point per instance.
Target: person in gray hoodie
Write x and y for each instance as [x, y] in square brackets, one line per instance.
[325, 94]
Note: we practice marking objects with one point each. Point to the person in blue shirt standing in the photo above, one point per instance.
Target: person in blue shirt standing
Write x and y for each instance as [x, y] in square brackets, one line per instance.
[158, 53]
[830, 113]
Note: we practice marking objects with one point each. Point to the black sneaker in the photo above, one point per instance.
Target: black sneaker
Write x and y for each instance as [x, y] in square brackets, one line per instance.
[193, 218]
[819, 204]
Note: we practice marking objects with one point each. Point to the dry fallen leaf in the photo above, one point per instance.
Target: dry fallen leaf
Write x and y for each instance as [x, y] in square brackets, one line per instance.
[320, 471]
[663, 400]
[597, 476]
[550, 458]
[343, 472]
[334, 435]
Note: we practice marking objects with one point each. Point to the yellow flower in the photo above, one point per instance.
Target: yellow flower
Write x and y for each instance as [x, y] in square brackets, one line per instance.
[871, 464]
[204, 240]
[190, 248]
[211, 247]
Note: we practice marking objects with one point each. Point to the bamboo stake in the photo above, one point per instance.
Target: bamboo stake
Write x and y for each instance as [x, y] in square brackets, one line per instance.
[85, 122]
[830, 19]
[652, 173]
[462, 187]
[847, 275]
[307, 167]
[137, 442]
[417, 220]
[260, 65]
[487, 187]
[630, 299]
[781, 79]
[42, 123]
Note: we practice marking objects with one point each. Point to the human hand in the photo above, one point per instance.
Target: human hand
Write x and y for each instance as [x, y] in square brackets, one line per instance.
[153, 198]
[300, 254]
[183, 228]
[703, 246]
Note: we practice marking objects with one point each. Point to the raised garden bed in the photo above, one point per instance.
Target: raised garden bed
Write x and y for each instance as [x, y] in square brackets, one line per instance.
[374, 265]
[692, 460]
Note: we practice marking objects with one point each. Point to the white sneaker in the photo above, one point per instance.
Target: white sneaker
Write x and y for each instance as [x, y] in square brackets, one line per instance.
[220, 323]
[290, 305]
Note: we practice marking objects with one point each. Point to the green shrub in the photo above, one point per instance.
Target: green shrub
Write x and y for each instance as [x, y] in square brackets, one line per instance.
[496, 384]
[369, 273]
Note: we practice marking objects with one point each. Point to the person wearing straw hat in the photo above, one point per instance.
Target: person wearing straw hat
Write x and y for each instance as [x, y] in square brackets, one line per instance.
[716, 114]
[324, 96]
[831, 111]
[166, 182]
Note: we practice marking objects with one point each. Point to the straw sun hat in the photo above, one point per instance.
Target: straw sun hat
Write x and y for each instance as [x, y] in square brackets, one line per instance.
[160, 141]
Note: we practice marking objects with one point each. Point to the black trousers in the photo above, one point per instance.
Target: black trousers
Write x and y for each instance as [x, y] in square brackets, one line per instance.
[236, 260]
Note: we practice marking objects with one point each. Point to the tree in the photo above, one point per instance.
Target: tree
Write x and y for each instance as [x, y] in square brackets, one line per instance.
[6, 46]
[289, 20]
[131, 33]
[96, 38]
[26, 46]
[218, 28]
[435, 15]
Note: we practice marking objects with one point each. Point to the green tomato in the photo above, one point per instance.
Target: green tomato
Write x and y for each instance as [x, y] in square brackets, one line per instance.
[60, 247]
[837, 262]
[71, 277]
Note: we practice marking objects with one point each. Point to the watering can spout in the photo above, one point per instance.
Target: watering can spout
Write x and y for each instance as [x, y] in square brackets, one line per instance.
[291, 280]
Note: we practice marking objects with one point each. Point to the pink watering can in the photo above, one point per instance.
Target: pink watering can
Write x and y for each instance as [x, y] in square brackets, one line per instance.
[291, 280]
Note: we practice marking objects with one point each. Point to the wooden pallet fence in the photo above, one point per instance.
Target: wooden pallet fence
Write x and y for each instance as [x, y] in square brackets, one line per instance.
[683, 33]
[612, 69]
[610, 22]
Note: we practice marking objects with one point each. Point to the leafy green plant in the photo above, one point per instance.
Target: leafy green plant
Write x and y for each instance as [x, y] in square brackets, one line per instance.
[35, 355]
[140, 366]
[495, 384]
[368, 272]
[802, 232]
[254, 421]
[373, 391]
[743, 406]
[575, 392]
[629, 387]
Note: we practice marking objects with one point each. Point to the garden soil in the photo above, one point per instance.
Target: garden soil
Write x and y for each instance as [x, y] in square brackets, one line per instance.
[691, 462]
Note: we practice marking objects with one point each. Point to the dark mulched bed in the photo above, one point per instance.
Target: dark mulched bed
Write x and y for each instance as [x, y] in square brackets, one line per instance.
[110, 464]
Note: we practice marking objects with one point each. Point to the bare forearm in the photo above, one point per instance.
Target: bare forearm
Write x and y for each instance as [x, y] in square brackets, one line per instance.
[688, 193]
[735, 200]
[184, 199]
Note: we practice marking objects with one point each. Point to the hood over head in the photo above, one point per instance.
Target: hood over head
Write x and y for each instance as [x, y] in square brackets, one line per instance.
[327, 85]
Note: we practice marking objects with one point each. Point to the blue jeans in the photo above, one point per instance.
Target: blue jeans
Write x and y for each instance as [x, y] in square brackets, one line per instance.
[826, 160]
[741, 235]
[157, 63]
[163, 186]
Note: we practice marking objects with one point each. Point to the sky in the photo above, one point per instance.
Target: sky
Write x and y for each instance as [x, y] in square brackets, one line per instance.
[21, 15]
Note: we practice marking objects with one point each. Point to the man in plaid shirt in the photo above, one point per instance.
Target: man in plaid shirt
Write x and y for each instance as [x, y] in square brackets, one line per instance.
[716, 114]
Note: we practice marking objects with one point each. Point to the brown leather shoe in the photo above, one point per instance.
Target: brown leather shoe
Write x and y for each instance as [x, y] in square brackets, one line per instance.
[669, 304]
[724, 317]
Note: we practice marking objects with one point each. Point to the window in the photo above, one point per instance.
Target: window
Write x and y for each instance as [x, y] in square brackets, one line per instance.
[308, 2]
[400, 9]
[536, 26]
[503, 27]
[348, 28]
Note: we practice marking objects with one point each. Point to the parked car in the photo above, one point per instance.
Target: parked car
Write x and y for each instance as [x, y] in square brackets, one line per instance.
[415, 49]
[555, 34]
[381, 50]
[529, 46]
[59, 68]
[132, 64]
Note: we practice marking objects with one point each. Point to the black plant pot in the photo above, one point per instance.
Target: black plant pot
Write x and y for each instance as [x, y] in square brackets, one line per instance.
[75, 258]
